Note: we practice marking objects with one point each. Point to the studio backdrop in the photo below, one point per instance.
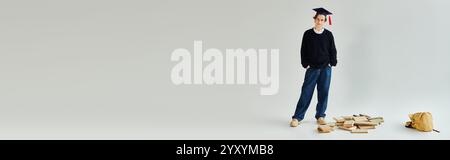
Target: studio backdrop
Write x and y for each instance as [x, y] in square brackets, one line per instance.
[108, 69]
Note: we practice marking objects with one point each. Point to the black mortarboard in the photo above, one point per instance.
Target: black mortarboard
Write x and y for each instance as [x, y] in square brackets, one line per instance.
[325, 12]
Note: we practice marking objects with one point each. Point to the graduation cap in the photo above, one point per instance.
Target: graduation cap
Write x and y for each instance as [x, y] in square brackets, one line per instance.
[325, 12]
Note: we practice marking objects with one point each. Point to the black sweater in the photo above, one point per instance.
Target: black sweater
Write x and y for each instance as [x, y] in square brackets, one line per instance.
[318, 50]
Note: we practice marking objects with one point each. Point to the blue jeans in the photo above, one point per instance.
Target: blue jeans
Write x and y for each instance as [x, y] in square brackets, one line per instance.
[313, 76]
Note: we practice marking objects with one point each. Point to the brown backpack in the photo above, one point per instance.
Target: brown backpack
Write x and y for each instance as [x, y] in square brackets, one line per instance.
[422, 121]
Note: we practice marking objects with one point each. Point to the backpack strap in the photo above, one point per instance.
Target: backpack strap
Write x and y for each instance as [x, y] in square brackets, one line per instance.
[408, 124]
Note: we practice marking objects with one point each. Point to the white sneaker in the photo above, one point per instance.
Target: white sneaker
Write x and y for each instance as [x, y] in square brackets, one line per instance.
[294, 122]
[321, 121]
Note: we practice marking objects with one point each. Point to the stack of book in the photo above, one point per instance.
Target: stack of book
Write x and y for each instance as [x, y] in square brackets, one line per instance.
[355, 124]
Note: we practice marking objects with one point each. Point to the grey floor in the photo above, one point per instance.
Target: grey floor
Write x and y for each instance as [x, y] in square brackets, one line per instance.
[270, 124]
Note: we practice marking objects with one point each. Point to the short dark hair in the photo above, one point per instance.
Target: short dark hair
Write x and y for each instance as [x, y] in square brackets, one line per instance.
[317, 14]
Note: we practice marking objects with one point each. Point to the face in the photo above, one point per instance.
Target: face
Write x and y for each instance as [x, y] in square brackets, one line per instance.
[320, 20]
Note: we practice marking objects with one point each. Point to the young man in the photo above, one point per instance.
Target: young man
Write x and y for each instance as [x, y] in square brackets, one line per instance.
[318, 54]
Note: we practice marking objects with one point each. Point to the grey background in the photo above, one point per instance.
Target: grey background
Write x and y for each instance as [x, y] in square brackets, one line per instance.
[97, 69]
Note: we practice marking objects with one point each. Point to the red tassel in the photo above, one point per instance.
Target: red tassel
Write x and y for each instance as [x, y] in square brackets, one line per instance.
[329, 20]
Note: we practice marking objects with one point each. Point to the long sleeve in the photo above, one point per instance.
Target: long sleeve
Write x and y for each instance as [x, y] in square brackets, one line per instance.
[303, 51]
[333, 52]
